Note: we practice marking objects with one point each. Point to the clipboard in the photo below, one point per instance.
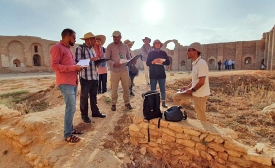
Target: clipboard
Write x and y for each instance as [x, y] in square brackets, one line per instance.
[101, 61]
[133, 59]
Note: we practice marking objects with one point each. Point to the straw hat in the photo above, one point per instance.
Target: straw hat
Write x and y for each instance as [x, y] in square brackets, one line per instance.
[129, 42]
[102, 38]
[87, 36]
[157, 40]
[197, 46]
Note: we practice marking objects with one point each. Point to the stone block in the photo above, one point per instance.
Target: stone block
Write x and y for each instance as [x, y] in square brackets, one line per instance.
[223, 155]
[25, 140]
[134, 127]
[212, 152]
[169, 132]
[177, 152]
[218, 165]
[34, 122]
[195, 138]
[142, 140]
[239, 161]
[17, 131]
[137, 120]
[220, 160]
[206, 156]
[192, 151]
[134, 141]
[218, 139]
[261, 158]
[192, 132]
[155, 133]
[164, 123]
[209, 138]
[235, 145]
[143, 125]
[176, 127]
[153, 144]
[183, 136]
[168, 138]
[160, 141]
[136, 134]
[202, 136]
[187, 143]
[216, 147]
[234, 153]
[200, 146]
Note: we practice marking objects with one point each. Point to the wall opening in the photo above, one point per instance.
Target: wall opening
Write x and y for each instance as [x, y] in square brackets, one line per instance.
[36, 60]
[248, 60]
[35, 48]
[16, 63]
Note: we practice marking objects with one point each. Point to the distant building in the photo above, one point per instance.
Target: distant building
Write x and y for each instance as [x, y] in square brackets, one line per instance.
[32, 54]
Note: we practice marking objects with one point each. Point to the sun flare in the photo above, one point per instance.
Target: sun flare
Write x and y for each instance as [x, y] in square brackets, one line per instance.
[153, 10]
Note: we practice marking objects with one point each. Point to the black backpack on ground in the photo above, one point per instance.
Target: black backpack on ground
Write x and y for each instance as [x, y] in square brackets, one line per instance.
[175, 114]
[151, 107]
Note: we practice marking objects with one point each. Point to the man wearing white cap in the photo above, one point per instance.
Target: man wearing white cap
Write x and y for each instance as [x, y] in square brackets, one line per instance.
[198, 89]
[88, 77]
[118, 51]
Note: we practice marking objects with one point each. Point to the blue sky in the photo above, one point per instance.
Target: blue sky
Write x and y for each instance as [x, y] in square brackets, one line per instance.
[205, 21]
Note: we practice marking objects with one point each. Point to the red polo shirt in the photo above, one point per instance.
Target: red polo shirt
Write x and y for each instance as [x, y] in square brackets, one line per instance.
[63, 63]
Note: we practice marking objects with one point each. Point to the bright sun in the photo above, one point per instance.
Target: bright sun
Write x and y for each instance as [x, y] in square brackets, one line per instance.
[153, 10]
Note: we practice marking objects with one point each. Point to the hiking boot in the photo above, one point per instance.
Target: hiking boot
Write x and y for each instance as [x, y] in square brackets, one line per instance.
[129, 106]
[113, 108]
[132, 94]
[86, 119]
[164, 105]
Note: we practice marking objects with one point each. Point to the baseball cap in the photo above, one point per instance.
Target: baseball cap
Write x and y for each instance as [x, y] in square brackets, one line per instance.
[116, 33]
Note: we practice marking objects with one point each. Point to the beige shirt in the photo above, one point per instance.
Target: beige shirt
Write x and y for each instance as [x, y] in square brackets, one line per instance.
[112, 52]
[200, 69]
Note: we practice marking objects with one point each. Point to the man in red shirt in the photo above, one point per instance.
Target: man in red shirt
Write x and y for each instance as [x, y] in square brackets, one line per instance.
[62, 62]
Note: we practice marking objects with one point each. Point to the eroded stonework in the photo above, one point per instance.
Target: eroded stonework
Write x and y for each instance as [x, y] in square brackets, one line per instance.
[31, 54]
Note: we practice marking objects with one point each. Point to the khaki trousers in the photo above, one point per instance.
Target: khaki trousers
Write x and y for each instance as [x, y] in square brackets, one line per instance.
[199, 102]
[122, 76]
[146, 72]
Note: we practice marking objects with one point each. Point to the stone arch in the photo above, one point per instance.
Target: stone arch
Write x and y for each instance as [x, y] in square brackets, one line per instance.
[212, 63]
[182, 65]
[16, 63]
[37, 49]
[16, 51]
[36, 60]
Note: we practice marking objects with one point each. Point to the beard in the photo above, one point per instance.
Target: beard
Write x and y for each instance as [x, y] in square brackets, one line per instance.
[71, 43]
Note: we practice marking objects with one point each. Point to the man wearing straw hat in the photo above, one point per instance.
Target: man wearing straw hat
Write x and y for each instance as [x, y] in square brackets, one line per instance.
[118, 52]
[88, 77]
[198, 89]
[145, 50]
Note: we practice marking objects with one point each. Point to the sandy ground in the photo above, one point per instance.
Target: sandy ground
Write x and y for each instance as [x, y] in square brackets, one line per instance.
[97, 147]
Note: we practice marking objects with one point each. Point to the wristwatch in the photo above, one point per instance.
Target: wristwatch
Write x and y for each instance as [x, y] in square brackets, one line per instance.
[193, 90]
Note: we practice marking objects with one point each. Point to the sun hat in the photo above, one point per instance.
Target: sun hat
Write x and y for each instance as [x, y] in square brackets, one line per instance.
[129, 42]
[157, 40]
[87, 36]
[116, 33]
[147, 38]
[197, 46]
[102, 38]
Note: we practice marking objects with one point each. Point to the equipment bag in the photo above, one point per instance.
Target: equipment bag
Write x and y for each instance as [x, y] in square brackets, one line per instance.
[175, 114]
[151, 107]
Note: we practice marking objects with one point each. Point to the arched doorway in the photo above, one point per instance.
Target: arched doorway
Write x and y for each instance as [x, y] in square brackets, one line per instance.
[248, 60]
[212, 64]
[16, 63]
[182, 65]
[36, 60]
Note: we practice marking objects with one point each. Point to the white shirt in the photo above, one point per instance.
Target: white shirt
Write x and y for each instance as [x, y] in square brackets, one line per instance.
[200, 69]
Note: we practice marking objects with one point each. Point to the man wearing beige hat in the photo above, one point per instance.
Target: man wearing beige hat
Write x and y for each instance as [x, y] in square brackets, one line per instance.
[88, 77]
[198, 89]
[118, 52]
[145, 50]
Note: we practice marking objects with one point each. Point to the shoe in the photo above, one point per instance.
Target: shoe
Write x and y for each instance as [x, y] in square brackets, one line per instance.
[86, 119]
[164, 105]
[100, 115]
[113, 108]
[132, 94]
[129, 106]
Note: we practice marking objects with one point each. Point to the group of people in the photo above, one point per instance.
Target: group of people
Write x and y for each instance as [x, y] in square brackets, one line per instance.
[228, 64]
[93, 78]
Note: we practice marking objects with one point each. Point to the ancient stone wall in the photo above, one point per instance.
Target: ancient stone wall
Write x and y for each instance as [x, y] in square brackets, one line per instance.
[191, 143]
[34, 53]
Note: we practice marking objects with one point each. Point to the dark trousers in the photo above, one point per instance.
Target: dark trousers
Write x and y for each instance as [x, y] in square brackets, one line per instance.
[132, 83]
[102, 83]
[88, 88]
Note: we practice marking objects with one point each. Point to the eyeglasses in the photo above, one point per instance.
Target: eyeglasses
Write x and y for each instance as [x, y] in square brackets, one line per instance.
[191, 49]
